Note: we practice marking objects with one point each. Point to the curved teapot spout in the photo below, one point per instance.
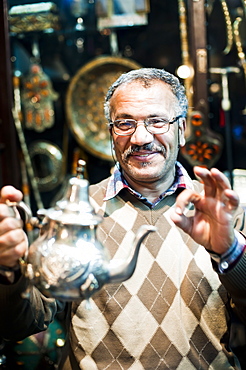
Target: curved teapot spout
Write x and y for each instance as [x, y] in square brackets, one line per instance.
[121, 270]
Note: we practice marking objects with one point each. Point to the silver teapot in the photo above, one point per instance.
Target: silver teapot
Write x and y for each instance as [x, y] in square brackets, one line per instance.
[67, 261]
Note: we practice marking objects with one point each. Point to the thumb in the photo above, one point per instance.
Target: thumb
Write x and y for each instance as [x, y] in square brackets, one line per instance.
[10, 193]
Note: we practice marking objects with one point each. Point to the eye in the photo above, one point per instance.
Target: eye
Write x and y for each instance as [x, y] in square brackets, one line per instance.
[124, 125]
[158, 122]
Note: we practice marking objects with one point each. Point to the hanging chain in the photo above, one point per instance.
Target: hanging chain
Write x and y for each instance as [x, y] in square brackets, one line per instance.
[240, 52]
[244, 4]
[229, 31]
[185, 50]
[239, 45]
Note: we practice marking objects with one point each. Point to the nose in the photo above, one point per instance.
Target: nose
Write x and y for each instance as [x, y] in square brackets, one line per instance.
[141, 135]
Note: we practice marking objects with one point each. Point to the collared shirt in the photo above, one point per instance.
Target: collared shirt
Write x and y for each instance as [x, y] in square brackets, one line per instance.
[182, 180]
[117, 182]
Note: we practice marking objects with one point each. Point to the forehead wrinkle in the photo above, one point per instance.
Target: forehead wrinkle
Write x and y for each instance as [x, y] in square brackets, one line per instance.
[152, 115]
[130, 101]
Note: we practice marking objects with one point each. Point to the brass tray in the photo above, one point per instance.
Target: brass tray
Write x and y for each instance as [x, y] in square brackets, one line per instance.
[85, 102]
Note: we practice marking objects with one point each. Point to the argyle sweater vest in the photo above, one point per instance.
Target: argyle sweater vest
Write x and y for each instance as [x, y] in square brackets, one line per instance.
[169, 315]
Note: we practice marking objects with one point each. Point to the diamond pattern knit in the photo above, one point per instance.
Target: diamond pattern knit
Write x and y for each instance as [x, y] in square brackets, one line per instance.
[169, 315]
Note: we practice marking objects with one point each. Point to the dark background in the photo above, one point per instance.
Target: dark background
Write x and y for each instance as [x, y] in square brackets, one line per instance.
[62, 53]
[156, 44]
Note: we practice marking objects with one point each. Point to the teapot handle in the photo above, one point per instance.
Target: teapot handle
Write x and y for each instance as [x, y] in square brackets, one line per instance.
[27, 212]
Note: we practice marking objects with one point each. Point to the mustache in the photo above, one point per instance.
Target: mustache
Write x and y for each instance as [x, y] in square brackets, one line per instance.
[148, 147]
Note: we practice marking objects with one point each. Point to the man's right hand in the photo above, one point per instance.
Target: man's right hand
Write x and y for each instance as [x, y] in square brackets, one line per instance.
[13, 240]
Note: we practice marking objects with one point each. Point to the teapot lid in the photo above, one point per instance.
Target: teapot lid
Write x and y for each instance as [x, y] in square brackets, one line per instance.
[75, 207]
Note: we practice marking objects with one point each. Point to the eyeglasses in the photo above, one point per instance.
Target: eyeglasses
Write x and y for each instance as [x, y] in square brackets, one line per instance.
[154, 125]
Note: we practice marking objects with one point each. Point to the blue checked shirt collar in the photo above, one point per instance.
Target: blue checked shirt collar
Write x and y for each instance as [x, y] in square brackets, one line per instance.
[117, 182]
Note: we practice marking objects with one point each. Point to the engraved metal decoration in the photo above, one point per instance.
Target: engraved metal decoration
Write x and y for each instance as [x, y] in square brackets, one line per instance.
[38, 96]
[202, 148]
[85, 101]
[47, 163]
[203, 145]
[33, 17]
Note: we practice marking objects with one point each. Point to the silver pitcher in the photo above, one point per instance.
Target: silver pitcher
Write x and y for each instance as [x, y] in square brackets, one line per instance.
[67, 261]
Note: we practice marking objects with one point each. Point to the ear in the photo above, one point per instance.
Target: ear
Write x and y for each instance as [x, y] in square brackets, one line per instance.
[111, 138]
[110, 128]
[182, 127]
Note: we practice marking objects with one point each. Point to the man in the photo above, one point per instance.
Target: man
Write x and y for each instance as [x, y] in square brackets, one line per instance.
[177, 309]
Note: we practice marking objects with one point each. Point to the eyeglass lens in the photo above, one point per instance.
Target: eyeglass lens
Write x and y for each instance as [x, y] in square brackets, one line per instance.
[153, 125]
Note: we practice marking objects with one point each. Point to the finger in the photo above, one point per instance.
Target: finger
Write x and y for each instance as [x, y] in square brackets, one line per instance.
[9, 224]
[215, 182]
[6, 211]
[186, 197]
[13, 245]
[225, 194]
[11, 193]
[10, 257]
[204, 176]
[222, 181]
[232, 200]
[11, 238]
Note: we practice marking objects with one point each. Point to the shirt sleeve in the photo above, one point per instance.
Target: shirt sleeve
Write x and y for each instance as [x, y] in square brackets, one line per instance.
[226, 261]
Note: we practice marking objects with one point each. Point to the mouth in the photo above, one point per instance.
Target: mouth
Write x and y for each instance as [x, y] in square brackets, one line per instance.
[144, 153]
[144, 156]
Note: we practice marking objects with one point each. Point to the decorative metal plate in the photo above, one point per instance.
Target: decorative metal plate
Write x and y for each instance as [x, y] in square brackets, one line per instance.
[47, 162]
[85, 102]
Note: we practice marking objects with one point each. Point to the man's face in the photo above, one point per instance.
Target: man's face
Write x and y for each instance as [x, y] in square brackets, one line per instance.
[145, 157]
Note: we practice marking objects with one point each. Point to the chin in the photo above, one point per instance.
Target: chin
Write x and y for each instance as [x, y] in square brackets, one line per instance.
[143, 172]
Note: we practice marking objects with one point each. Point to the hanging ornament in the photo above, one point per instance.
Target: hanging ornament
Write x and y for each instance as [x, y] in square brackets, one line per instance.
[38, 99]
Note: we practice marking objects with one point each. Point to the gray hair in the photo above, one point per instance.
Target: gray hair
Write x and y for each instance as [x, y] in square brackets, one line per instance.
[146, 76]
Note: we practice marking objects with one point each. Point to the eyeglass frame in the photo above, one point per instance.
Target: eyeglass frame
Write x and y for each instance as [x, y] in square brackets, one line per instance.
[111, 125]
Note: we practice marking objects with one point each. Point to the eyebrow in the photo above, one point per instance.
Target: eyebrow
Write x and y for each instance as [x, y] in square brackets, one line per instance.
[128, 116]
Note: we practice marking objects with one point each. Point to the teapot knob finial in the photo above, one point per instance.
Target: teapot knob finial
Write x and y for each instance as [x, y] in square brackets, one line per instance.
[80, 169]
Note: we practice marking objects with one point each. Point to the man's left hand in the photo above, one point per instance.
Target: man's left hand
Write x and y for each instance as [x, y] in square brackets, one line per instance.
[212, 224]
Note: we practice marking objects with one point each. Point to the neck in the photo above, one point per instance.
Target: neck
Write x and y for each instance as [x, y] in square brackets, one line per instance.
[151, 189]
